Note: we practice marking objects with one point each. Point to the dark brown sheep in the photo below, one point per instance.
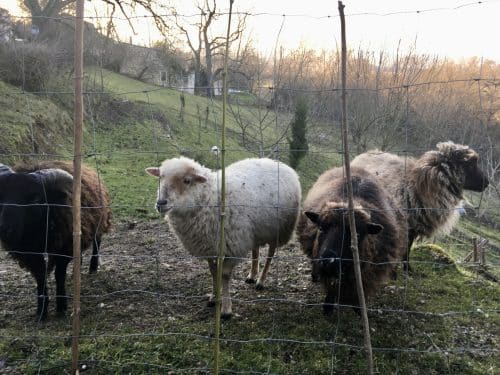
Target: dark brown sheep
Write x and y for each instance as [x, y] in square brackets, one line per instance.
[325, 235]
[429, 188]
[36, 218]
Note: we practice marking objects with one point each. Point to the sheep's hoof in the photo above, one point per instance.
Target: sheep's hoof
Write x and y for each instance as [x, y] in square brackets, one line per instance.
[41, 316]
[61, 305]
[394, 275]
[328, 309]
[226, 316]
[259, 286]
[211, 300]
[250, 280]
[357, 310]
[406, 268]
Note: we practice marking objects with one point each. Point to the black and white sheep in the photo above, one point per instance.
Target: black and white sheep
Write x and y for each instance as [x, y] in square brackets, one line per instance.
[36, 219]
[262, 198]
[325, 236]
[429, 188]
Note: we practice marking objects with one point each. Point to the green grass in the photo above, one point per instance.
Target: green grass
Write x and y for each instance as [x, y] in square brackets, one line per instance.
[418, 336]
[31, 125]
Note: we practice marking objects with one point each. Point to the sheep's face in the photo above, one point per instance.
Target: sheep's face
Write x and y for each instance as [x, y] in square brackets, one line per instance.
[332, 255]
[474, 177]
[179, 185]
[22, 205]
[462, 162]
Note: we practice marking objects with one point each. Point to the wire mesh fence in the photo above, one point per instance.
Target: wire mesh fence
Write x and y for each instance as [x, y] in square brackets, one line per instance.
[145, 310]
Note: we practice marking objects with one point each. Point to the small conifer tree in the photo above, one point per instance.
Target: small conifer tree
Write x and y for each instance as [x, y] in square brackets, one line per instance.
[298, 141]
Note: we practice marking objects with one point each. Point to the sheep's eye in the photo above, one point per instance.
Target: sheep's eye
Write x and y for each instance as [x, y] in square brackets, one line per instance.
[187, 180]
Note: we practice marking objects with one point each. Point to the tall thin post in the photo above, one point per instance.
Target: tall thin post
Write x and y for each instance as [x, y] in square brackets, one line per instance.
[352, 223]
[222, 240]
[77, 162]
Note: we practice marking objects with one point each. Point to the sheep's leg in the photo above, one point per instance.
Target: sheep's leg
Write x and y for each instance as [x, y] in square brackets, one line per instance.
[212, 265]
[227, 270]
[254, 271]
[226, 307]
[406, 263]
[406, 257]
[94, 259]
[263, 275]
[330, 298]
[61, 265]
[38, 268]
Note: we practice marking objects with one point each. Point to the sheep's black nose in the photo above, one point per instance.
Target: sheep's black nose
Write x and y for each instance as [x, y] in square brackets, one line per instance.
[315, 277]
[160, 204]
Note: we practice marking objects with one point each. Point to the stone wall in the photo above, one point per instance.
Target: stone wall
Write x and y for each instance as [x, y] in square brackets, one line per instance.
[144, 64]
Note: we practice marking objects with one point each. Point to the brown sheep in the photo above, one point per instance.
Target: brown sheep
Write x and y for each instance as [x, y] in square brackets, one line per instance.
[36, 218]
[430, 188]
[325, 236]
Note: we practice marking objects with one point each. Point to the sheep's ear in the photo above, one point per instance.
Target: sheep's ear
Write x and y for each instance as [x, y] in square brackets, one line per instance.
[5, 169]
[313, 216]
[373, 228]
[199, 178]
[153, 171]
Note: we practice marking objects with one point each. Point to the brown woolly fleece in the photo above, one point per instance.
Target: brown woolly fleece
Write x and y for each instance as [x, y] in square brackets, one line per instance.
[379, 253]
[95, 201]
[429, 188]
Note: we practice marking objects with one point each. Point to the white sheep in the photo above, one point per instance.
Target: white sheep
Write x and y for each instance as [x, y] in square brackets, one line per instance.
[262, 207]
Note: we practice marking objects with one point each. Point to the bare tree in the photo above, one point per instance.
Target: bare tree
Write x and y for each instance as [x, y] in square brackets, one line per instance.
[44, 11]
[262, 126]
[205, 45]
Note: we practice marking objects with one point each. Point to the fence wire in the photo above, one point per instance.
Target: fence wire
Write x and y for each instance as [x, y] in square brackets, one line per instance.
[145, 310]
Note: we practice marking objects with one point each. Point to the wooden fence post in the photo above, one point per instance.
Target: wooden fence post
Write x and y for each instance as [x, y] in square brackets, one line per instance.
[77, 163]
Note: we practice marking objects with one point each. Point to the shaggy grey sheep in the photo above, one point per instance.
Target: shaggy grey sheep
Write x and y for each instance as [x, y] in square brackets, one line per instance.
[262, 199]
[36, 218]
[431, 187]
[325, 236]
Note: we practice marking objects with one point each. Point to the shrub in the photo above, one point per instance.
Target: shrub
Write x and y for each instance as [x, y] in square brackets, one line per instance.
[26, 65]
[298, 142]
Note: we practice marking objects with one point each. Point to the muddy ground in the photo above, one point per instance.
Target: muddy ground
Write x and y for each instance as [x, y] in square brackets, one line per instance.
[145, 278]
[147, 284]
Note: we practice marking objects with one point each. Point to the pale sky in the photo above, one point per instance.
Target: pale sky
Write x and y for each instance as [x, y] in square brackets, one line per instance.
[448, 28]
[472, 30]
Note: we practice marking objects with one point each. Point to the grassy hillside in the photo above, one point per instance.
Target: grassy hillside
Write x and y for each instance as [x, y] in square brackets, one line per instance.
[31, 125]
[144, 312]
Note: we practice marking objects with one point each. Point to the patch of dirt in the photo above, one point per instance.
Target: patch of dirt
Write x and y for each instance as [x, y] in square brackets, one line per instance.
[143, 263]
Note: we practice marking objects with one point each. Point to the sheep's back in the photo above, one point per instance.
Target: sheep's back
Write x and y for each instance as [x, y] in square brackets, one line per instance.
[263, 196]
[95, 201]
[390, 170]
